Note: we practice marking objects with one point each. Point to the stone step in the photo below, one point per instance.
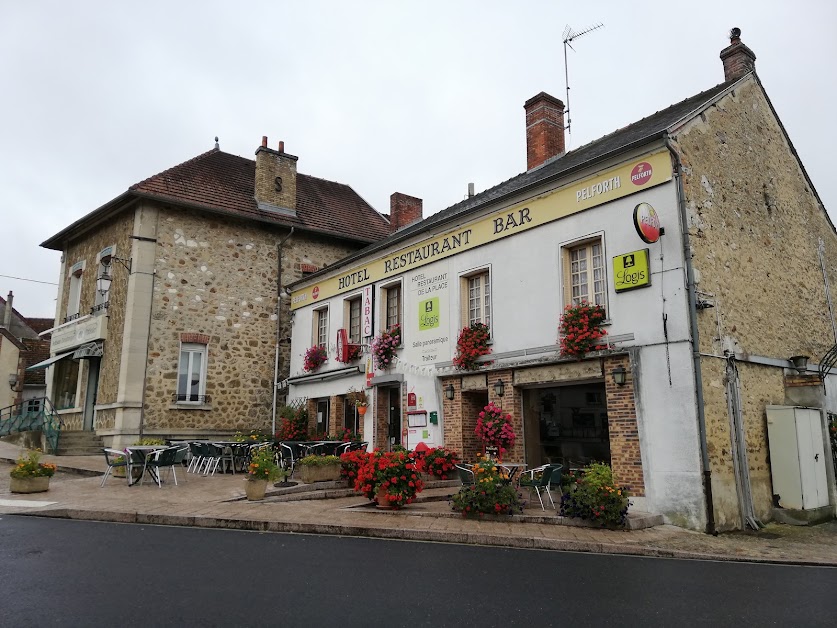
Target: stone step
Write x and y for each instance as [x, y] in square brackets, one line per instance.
[79, 451]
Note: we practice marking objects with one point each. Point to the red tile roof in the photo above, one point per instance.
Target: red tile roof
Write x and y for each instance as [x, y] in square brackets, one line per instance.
[221, 181]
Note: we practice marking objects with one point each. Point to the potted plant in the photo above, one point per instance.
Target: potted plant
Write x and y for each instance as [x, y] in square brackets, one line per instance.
[319, 469]
[471, 345]
[491, 493]
[262, 469]
[30, 475]
[359, 399]
[438, 462]
[314, 358]
[384, 346]
[494, 429]
[581, 329]
[390, 478]
[294, 425]
[593, 495]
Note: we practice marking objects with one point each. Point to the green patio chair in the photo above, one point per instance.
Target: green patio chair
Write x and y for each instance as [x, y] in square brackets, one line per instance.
[540, 479]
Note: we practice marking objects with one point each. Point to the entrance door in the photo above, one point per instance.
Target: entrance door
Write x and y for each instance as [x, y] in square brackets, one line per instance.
[394, 416]
[322, 416]
[90, 394]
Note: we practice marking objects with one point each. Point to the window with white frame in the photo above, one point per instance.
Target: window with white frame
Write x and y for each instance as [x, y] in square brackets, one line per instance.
[476, 298]
[74, 293]
[191, 373]
[391, 297]
[584, 274]
[353, 320]
[321, 327]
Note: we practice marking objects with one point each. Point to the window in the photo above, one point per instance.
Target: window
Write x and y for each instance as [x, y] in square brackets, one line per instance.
[392, 305]
[191, 373]
[74, 295]
[584, 274]
[353, 328]
[476, 299]
[65, 381]
[321, 327]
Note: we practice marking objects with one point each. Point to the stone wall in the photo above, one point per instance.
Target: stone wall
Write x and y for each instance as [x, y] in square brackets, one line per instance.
[116, 232]
[755, 226]
[218, 277]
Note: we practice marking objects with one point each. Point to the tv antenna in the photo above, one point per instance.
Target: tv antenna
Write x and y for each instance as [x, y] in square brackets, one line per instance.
[569, 36]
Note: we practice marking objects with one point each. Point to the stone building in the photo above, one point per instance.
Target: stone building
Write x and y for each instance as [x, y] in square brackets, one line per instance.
[697, 230]
[20, 347]
[169, 320]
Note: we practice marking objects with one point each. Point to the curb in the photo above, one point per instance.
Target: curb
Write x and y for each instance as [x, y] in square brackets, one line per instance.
[404, 534]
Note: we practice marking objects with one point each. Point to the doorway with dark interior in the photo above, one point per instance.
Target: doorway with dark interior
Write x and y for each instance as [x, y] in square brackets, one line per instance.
[566, 425]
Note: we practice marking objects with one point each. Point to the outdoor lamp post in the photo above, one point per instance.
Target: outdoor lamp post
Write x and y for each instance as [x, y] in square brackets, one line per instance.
[619, 375]
[450, 392]
[499, 388]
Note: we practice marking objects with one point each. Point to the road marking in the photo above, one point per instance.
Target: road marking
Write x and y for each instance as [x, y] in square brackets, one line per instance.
[24, 503]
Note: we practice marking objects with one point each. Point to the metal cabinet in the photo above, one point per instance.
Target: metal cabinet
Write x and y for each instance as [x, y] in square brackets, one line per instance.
[797, 456]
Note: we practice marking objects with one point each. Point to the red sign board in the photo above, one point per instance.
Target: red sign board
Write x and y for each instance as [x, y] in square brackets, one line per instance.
[641, 174]
[342, 346]
[647, 223]
[315, 292]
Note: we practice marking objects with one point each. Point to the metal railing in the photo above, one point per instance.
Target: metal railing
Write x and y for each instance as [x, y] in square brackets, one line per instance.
[29, 415]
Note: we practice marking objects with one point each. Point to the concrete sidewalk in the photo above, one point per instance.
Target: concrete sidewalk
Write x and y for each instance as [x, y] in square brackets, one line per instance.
[217, 502]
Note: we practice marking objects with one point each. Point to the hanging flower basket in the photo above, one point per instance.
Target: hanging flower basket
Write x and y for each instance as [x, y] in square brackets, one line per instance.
[494, 429]
[581, 329]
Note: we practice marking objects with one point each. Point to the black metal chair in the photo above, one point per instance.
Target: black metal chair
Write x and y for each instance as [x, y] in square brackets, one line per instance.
[162, 459]
[116, 460]
[466, 474]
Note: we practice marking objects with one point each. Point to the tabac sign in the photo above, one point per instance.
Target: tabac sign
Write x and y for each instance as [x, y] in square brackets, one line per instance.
[630, 271]
[606, 186]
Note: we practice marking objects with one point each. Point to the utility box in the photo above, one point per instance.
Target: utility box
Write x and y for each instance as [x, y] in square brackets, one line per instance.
[797, 457]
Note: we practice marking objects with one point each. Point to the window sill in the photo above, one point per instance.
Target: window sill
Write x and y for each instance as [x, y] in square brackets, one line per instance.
[190, 406]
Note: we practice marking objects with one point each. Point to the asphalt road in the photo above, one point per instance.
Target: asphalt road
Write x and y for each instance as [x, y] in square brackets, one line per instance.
[76, 573]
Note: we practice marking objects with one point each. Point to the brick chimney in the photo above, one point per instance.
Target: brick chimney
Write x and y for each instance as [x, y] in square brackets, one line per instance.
[738, 59]
[404, 210]
[7, 312]
[544, 129]
[275, 179]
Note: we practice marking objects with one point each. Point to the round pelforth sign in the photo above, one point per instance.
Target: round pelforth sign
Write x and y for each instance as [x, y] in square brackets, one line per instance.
[647, 223]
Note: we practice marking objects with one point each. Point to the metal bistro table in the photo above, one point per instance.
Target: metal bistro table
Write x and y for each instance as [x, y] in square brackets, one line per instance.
[514, 468]
[143, 452]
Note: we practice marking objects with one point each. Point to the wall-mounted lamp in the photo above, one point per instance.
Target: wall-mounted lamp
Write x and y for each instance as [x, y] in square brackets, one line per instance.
[499, 388]
[13, 381]
[800, 363]
[105, 278]
[619, 375]
[450, 392]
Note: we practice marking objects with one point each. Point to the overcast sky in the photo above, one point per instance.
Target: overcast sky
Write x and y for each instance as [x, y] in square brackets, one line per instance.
[415, 97]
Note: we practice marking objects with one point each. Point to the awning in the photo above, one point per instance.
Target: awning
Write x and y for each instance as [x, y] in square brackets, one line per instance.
[49, 361]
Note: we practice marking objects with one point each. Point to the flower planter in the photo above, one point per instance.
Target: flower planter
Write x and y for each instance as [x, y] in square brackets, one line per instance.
[361, 410]
[383, 502]
[29, 485]
[255, 489]
[325, 473]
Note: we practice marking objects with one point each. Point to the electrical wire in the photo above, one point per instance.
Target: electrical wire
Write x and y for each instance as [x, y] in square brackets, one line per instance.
[49, 283]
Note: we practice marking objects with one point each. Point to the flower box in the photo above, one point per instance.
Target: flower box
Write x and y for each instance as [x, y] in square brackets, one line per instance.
[320, 473]
[29, 485]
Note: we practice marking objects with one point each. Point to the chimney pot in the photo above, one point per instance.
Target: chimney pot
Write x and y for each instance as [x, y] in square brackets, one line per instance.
[544, 129]
[737, 58]
[264, 141]
[470, 190]
[281, 147]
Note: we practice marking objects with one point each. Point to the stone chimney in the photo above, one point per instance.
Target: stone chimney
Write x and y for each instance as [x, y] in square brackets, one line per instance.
[404, 210]
[544, 129]
[275, 179]
[738, 59]
[7, 312]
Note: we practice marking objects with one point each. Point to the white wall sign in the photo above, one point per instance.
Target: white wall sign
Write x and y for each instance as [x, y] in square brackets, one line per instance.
[367, 313]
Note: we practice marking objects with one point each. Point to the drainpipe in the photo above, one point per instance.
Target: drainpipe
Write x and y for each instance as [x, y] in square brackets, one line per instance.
[692, 292]
[278, 324]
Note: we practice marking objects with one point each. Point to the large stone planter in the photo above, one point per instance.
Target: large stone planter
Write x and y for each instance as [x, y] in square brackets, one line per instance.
[255, 489]
[29, 485]
[319, 473]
